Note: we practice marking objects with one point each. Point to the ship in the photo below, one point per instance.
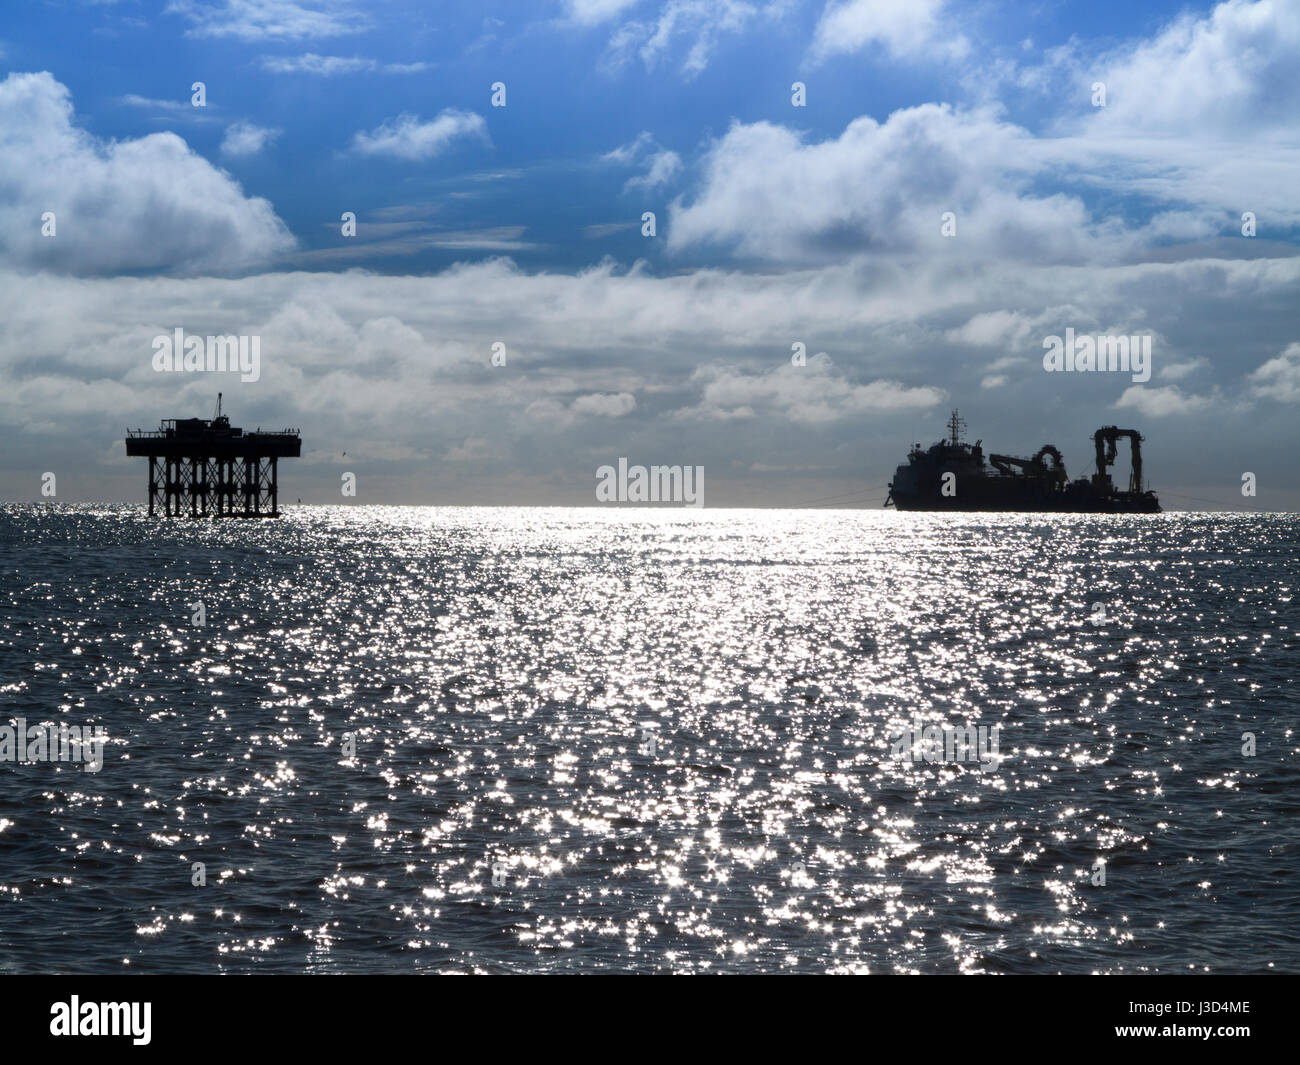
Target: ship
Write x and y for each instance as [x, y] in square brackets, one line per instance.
[954, 475]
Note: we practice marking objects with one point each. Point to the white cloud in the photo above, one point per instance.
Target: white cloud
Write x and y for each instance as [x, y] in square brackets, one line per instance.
[627, 154]
[1279, 378]
[255, 20]
[812, 394]
[905, 28]
[768, 193]
[144, 204]
[1176, 371]
[593, 12]
[1201, 117]
[660, 166]
[174, 107]
[333, 65]
[705, 353]
[1230, 74]
[550, 413]
[995, 377]
[885, 186]
[378, 240]
[406, 137]
[311, 63]
[1157, 149]
[609, 406]
[245, 138]
[992, 329]
[697, 25]
[1161, 402]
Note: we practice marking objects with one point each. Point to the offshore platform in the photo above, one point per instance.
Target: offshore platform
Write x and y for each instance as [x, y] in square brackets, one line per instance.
[952, 475]
[213, 469]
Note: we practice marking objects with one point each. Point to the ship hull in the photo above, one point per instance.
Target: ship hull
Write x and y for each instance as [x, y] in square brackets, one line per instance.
[977, 491]
[995, 503]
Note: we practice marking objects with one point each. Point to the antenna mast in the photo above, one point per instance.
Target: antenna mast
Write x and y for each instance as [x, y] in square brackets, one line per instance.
[956, 426]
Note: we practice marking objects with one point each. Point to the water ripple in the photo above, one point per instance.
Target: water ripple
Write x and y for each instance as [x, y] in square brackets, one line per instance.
[453, 739]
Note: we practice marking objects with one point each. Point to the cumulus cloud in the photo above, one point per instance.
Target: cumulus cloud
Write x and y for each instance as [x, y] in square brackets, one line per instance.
[662, 167]
[144, 204]
[705, 355]
[659, 165]
[1157, 148]
[992, 329]
[608, 406]
[905, 28]
[1279, 378]
[812, 394]
[406, 137]
[1198, 119]
[247, 138]
[593, 12]
[1161, 402]
[1176, 371]
[885, 186]
[1230, 73]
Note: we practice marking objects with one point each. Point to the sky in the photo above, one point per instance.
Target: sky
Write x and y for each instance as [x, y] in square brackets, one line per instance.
[916, 194]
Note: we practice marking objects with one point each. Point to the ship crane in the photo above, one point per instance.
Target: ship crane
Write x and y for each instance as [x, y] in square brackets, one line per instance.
[1035, 467]
[1105, 440]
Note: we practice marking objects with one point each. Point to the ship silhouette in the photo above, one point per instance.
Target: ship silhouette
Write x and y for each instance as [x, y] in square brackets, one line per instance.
[953, 475]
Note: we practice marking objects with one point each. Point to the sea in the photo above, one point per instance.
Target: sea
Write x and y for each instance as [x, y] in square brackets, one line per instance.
[364, 739]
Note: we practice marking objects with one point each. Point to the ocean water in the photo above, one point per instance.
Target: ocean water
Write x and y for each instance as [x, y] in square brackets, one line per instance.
[650, 741]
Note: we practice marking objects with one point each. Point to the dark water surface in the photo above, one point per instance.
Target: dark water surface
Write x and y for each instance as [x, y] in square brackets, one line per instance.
[669, 731]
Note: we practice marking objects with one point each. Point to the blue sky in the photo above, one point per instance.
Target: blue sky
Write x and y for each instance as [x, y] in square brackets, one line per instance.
[572, 98]
[775, 224]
